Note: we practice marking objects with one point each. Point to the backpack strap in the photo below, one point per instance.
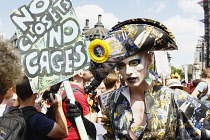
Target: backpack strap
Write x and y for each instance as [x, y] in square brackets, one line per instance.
[13, 109]
[28, 111]
[73, 90]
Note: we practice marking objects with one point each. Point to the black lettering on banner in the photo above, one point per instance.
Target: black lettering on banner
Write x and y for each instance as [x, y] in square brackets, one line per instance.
[70, 31]
[46, 21]
[63, 7]
[80, 56]
[22, 20]
[49, 24]
[44, 63]
[39, 28]
[38, 7]
[31, 64]
[55, 61]
[41, 16]
[55, 37]
[65, 34]
[25, 43]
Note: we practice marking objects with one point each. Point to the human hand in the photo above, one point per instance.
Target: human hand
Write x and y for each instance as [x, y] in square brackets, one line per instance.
[73, 110]
[55, 102]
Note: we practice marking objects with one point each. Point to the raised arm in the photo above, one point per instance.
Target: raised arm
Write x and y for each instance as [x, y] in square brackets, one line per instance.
[60, 129]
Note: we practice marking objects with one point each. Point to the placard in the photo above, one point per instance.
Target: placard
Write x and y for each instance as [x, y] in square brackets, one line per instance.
[50, 41]
[162, 64]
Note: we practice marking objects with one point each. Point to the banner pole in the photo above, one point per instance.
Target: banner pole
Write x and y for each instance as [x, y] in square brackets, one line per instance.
[78, 120]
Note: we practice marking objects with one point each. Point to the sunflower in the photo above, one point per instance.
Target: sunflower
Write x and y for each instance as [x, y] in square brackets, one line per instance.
[99, 50]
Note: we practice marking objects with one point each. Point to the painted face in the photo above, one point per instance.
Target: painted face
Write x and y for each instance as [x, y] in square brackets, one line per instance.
[134, 69]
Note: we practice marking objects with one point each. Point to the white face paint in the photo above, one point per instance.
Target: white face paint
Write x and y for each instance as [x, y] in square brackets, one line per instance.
[134, 69]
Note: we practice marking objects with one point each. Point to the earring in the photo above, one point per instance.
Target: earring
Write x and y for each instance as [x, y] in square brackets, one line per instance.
[148, 80]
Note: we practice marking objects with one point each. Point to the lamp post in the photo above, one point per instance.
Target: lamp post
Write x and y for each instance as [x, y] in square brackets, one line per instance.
[154, 60]
[202, 53]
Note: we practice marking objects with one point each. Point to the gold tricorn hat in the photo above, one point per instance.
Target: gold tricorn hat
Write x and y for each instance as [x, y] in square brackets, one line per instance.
[125, 39]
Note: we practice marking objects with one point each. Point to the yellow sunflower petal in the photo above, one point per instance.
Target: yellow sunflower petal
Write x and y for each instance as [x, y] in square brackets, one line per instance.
[100, 44]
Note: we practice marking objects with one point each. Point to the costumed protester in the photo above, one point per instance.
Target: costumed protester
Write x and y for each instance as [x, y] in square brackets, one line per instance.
[142, 109]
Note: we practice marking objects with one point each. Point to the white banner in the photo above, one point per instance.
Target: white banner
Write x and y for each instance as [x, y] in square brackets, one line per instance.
[162, 63]
[50, 41]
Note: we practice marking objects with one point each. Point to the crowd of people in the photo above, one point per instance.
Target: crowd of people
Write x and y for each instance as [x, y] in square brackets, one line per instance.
[128, 104]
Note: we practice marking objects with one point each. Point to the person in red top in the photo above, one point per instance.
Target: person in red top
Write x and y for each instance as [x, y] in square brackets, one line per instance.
[77, 84]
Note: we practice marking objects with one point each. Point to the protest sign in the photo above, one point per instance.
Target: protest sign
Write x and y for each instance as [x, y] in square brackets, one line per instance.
[162, 64]
[50, 41]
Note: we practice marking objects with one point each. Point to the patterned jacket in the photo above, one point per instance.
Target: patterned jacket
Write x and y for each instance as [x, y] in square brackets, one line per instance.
[171, 114]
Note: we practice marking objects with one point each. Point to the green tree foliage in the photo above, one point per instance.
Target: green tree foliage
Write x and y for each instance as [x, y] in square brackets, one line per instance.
[179, 71]
[190, 69]
[152, 68]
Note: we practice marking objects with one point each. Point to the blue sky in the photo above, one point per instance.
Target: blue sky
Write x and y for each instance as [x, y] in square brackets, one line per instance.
[180, 16]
